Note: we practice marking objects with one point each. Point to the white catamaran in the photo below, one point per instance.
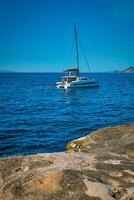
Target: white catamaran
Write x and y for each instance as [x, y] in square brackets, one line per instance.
[71, 78]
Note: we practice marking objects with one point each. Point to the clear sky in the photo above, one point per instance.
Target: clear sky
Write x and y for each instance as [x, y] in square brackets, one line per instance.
[37, 35]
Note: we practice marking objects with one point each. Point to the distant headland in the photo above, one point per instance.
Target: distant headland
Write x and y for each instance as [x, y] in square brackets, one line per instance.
[6, 71]
[126, 70]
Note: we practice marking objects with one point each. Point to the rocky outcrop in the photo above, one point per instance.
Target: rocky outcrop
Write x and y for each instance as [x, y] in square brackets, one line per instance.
[97, 166]
[126, 70]
[129, 70]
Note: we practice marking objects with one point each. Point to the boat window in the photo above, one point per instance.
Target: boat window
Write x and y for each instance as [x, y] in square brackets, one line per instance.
[70, 74]
[84, 78]
[70, 79]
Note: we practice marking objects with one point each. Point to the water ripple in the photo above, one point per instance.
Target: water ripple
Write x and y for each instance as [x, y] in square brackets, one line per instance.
[36, 117]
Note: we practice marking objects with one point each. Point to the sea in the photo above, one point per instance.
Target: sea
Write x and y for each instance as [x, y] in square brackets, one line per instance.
[36, 117]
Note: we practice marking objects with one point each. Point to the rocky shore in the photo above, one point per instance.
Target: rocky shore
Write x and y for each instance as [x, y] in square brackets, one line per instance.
[97, 166]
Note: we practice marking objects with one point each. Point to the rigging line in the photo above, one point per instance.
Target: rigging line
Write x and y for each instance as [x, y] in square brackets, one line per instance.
[84, 55]
[76, 46]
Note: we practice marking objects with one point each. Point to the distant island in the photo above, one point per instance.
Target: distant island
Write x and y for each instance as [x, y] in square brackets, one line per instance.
[126, 70]
[6, 71]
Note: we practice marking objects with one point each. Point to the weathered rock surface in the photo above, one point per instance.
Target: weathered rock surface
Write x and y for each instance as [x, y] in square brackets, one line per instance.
[98, 166]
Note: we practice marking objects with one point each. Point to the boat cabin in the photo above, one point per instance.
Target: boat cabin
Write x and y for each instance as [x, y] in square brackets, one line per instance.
[70, 75]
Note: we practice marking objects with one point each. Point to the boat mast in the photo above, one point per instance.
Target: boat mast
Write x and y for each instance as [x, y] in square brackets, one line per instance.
[76, 45]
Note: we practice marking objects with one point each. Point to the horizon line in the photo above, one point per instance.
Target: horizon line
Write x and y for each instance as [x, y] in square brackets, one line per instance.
[52, 72]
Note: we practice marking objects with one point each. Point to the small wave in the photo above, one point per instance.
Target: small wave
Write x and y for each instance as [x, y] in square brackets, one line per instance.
[7, 147]
[16, 131]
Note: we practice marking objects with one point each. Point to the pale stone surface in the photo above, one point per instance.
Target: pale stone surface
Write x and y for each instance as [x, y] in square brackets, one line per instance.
[97, 166]
[96, 189]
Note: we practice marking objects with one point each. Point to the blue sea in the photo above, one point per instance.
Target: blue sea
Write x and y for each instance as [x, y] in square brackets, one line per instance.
[36, 117]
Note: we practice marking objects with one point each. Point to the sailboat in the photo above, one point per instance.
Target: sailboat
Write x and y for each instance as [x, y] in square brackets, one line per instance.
[72, 78]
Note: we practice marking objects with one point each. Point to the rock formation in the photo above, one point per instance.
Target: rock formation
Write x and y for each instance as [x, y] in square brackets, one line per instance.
[97, 166]
[126, 70]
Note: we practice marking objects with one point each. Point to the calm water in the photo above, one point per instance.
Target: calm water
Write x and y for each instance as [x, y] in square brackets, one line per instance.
[36, 117]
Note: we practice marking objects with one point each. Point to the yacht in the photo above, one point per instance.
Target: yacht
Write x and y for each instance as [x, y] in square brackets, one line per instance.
[72, 78]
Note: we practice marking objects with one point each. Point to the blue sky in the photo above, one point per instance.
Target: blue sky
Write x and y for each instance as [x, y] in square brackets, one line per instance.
[37, 35]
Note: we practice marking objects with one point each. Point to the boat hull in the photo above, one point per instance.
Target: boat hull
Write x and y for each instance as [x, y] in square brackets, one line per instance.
[87, 85]
[78, 84]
